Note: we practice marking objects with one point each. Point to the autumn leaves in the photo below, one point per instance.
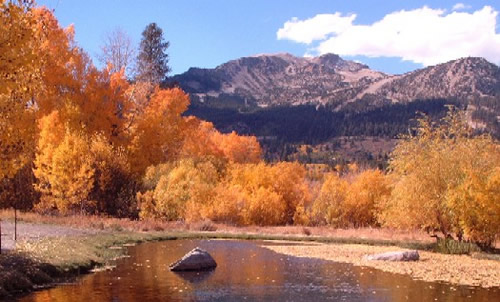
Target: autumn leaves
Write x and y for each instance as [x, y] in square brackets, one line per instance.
[446, 180]
[91, 141]
[88, 135]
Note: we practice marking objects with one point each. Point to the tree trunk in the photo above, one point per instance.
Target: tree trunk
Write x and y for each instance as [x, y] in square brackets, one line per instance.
[0, 236]
[15, 223]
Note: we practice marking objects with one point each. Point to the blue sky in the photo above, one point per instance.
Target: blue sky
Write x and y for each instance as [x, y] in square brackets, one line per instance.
[391, 36]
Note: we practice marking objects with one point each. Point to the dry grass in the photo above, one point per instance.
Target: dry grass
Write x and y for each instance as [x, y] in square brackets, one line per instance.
[358, 233]
[95, 222]
[455, 269]
[117, 224]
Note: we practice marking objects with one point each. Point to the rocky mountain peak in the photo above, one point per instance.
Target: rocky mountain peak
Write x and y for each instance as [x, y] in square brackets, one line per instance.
[283, 79]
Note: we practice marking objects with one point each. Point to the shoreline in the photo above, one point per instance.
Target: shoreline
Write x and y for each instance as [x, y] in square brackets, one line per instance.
[56, 250]
[41, 263]
[432, 267]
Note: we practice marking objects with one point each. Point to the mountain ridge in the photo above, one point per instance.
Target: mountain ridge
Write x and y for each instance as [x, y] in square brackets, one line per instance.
[282, 79]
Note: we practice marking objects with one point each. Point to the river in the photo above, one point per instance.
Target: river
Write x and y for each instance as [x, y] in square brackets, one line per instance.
[247, 271]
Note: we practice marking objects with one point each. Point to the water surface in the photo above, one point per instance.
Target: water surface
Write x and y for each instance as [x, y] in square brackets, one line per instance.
[248, 272]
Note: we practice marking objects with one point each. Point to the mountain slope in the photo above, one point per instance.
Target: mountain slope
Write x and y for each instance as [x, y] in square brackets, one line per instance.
[327, 101]
[282, 79]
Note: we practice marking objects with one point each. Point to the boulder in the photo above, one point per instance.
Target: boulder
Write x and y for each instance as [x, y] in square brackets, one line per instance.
[395, 256]
[195, 260]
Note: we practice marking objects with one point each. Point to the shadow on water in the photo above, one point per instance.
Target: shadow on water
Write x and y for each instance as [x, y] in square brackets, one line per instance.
[249, 272]
[195, 277]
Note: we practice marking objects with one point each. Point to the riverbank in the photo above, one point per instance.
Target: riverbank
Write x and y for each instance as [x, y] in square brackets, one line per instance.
[453, 269]
[53, 253]
[52, 249]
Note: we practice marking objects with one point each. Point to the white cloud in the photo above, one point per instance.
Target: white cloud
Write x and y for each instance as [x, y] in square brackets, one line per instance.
[460, 6]
[316, 28]
[425, 35]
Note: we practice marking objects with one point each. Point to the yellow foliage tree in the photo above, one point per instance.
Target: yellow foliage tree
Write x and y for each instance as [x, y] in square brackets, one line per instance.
[63, 168]
[182, 193]
[476, 205]
[328, 208]
[438, 173]
[350, 201]
[114, 187]
[264, 206]
[227, 204]
[368, 189]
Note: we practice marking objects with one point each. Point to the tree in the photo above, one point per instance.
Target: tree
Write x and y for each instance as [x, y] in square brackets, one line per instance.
[328, 208]
[447, 179]
[152, 61]
[368, 189]
[157, 134]
[84, 96]
[19, 74]
[63, 167]
[264, 194]
[182, 192]
[118, 51]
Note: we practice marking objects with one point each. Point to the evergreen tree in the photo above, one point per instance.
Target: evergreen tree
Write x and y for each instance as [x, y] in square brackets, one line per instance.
[152, 61]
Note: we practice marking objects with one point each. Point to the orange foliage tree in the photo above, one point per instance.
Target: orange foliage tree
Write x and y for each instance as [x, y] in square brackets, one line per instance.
[157, 134]
[19, 71]
[202, 140]
[351, 201]
[262, 194]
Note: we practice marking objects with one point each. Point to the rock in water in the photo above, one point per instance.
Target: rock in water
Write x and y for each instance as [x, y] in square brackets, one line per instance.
[195, 260]
[395, 256]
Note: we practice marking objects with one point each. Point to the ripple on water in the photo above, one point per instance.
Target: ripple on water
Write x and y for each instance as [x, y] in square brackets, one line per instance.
[248, 272]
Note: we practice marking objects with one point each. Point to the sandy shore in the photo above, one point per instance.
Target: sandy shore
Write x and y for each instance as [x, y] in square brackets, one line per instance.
[455, 269]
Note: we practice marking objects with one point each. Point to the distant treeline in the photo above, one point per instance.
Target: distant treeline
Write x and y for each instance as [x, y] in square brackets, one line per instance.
[308, 124]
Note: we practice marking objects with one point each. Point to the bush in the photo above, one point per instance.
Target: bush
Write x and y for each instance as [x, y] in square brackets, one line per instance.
[451, 246]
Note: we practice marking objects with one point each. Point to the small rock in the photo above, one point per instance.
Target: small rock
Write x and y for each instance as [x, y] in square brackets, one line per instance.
[195, 260]
[395, 256]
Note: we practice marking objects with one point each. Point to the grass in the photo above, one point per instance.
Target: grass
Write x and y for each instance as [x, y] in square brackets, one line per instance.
[114, 224]
[450, 246]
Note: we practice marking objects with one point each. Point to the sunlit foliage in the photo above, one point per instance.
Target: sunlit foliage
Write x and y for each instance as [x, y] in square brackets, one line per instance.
[63, 167]
[444, 180]
[20, 77]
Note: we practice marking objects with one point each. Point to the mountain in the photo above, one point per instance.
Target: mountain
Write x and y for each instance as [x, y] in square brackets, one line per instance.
[283, 79]
[333, 104]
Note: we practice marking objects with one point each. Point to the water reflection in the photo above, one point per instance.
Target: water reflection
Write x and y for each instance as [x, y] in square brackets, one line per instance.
[195, 277]
[248, 272]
